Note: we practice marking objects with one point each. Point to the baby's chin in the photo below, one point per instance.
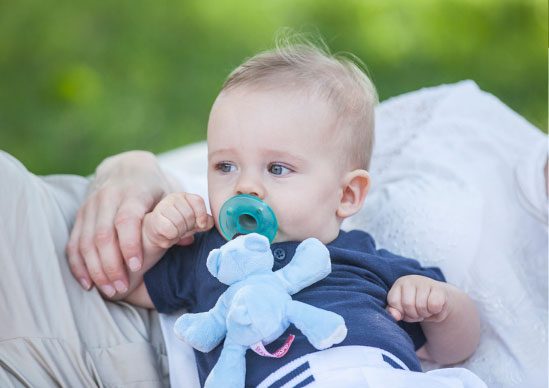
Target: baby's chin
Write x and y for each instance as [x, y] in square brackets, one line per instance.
[284, 237]
[281, 240]
[326, 237]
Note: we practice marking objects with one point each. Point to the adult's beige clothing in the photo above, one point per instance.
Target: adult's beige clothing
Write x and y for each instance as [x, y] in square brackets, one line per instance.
[52, 332]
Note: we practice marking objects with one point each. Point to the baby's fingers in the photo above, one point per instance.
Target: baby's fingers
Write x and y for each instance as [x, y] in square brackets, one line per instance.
[437, 304]
[178, 210]
[394, 302]
[397, 315]
[161, 230]
[177, 218]
[422, 297]
[409, 294]
[202, 221]
[186, 240]
[209, 223]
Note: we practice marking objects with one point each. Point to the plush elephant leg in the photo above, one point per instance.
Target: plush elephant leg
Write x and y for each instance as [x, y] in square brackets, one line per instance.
[321, 327]
[202, 331]
[230, 370]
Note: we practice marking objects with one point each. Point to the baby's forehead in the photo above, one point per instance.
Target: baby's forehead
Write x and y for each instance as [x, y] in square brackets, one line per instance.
[303, 102]
[287, 89]
[316, 120]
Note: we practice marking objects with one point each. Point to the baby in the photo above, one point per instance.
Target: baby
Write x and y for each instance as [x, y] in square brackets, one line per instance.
[295, 127]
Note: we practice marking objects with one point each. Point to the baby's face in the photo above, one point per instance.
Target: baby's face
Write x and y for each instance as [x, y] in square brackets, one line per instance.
[278, 146]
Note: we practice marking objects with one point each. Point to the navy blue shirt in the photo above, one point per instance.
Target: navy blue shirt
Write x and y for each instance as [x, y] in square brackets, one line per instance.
[356, 289]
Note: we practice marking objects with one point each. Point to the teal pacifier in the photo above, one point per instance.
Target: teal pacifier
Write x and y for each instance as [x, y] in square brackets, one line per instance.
[243, 214]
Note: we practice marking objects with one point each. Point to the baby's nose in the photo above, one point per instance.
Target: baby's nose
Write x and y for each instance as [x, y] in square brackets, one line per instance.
[250, 187]
[250, 192]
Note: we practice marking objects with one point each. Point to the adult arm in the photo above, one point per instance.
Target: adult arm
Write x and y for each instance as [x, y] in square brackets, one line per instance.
[106, 237]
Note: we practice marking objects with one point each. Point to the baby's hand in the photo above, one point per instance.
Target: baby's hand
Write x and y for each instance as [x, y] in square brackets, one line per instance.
[415, 298]
[175, 219]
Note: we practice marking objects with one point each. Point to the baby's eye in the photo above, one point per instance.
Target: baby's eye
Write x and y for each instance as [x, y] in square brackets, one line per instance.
[278, 169]
[225, 167]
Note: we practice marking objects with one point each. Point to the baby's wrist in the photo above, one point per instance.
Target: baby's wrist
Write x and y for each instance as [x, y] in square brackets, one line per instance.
[152, 249]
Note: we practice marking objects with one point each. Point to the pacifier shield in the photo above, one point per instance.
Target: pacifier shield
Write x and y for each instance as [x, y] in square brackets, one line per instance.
[243, 214]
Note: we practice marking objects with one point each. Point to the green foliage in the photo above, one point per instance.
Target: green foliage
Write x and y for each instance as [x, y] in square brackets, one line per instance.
[82, 80]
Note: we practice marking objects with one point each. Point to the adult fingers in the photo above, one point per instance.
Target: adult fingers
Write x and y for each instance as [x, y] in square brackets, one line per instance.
[107, 245]
[128, 222]
[88, 251]
[95, 269]
[76, 261]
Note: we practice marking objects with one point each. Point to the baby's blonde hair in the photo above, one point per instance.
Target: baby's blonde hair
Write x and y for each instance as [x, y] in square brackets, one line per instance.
[297, 62]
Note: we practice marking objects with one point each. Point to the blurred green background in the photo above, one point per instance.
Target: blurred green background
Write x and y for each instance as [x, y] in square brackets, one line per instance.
[81, 80]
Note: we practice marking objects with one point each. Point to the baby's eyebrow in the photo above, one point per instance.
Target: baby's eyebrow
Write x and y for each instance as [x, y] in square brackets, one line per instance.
[273, 154]
[220, 151]
[283, 155]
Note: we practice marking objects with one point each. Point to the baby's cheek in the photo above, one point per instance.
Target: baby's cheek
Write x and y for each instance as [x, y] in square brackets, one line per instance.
[288, 214]
[294, 221]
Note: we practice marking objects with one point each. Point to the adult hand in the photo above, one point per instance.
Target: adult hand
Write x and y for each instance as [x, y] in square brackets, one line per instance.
[106, 236]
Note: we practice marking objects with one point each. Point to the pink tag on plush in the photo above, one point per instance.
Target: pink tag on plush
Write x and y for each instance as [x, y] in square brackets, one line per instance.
[259, 348]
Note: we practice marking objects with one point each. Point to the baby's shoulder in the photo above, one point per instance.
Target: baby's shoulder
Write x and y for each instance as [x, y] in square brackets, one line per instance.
[355, 239]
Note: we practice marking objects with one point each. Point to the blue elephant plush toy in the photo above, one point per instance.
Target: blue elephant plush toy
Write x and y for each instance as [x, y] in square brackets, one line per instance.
[257, 307]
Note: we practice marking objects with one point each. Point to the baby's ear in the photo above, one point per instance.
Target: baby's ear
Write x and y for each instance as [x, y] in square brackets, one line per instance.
[354, 187]
[212, 262]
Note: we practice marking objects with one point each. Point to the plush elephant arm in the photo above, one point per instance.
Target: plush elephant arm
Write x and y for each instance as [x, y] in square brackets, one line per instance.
[310, 264]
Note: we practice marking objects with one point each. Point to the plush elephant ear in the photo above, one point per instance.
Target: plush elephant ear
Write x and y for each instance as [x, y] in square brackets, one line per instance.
[256, 243]
[212, 263]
